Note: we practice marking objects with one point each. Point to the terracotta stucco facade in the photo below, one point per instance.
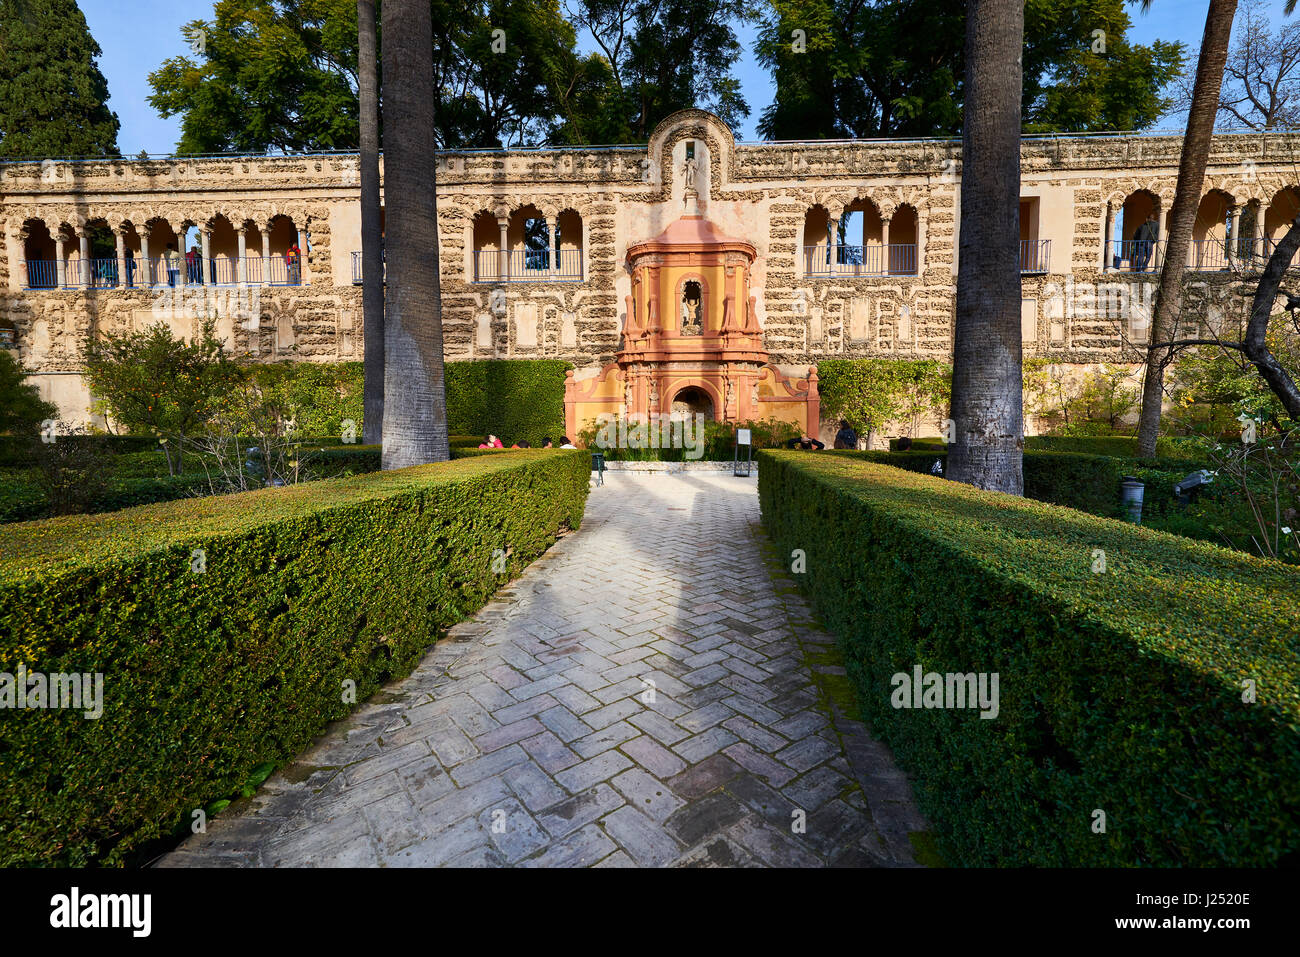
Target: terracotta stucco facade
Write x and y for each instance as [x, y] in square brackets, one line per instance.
[795, 297]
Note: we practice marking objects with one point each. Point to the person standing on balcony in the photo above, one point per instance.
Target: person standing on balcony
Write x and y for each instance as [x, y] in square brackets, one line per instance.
[172, 260]
[192, 258]
[129, 264]
[292, 262]
[1144, 243]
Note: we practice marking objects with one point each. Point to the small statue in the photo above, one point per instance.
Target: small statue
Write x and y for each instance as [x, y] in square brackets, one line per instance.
[688, 171]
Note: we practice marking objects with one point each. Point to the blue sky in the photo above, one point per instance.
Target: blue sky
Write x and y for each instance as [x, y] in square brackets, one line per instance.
[138, 37]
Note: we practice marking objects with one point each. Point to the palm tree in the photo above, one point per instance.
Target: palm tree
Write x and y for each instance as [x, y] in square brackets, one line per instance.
[372, 250]
[415, 403]
[986, 380]
[1182, 215]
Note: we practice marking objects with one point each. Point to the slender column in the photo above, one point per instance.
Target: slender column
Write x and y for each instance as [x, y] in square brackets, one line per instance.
[60, 262]
[1234, 230]
[503, 259]
[83, 247]
[241, 267]
[1162, 236]
[1107, 259]
[922, 225]
[1261, 245]
[884, 244]
[21, 237]
[183, 274]
[121, 257]
[146, 266]
[833, 243]
[205, 237]
[266, 254]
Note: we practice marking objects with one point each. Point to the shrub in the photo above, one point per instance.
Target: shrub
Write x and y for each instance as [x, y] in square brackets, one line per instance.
[210, 675]
[22, 409]
[870, 393]
[510, 398]
[1119, 691]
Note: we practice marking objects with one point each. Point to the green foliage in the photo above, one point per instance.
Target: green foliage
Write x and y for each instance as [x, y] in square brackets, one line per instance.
[282, 75]
[896, 68]
[52, 94]
[1211, 387]
[1119, 690]
[210, 676]
[871, 393]
[664, 56]
[22, 409]
[155, 383]
[512, 399]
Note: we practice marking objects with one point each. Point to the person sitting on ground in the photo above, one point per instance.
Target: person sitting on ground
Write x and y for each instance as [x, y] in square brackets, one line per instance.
[546, 443]
[805, 443]
[846, 438]
[521, 444]
[565, 443]
[492, 443]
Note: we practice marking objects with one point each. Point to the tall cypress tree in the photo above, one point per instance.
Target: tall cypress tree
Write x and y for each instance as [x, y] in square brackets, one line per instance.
[52, 95]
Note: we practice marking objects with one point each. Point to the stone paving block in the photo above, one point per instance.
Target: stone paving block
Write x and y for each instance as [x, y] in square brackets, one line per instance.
[612, 712]
[708, 775]
[705, 817]
[647, 794]
[718, 851]
[564, 724]
[489, 765]
[768, 768]
[700, 746]
[600, 768]
[550, 753]
[646, 842]
[772, 845]
[580, 810]
[604, 739]
[512, 830]
[582, 848]
[535, 787]
[806, 753]
[653, 756]
[701, 719]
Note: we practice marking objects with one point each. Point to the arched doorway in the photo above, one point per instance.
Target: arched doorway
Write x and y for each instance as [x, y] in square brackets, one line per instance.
[693, 400]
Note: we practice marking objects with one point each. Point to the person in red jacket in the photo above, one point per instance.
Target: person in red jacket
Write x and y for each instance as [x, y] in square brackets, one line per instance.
[492, 443]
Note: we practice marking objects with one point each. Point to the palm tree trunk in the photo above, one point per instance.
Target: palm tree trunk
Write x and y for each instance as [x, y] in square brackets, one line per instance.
[372, 250]
[415, 404]
[1182, 215]
[986, 380]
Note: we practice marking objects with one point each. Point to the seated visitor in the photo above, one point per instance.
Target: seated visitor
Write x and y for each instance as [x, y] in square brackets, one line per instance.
[546, 443]
[805, 443]
[846, 438]
[492, 443]
[904, 444]
[565, 443]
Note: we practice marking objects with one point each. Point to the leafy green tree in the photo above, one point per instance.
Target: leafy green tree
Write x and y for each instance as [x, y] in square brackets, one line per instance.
[664, 56]
[283, 75]
[864, 68]
[157, 384]
[52, 95]
[22, 409]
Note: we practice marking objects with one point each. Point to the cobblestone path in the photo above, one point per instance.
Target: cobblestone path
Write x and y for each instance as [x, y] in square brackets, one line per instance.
[641, 696]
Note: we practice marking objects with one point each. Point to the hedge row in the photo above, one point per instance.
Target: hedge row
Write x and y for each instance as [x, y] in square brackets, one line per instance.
[1089, 483]
[208, 675]
[1119, 691]
[16, 451]
[512, 399]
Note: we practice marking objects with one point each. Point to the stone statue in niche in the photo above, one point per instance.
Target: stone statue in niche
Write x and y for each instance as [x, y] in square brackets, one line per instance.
[688, 173]
[692, 303]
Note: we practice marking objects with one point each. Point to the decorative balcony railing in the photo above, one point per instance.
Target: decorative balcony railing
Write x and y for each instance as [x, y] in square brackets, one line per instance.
[1035, 255]
[357, 269]
[1135, 255]
[137, 273]
[528, 265]
[896, 259]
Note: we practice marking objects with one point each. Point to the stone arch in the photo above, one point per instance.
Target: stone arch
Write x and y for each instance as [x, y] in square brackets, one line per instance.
[39, 254]
[698, 396]
[904, 235]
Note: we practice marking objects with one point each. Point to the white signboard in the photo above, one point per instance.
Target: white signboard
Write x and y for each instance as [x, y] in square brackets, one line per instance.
[742, 437]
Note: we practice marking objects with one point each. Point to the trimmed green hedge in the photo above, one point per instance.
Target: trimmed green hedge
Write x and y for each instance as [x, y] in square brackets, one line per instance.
[511, 398]
[16, 451]
[1086, 482]
[1120, 692]
[209, 675]
[1118, 446]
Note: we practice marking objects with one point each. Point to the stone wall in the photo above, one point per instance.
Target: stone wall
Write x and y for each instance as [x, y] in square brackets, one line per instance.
[761, 192]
